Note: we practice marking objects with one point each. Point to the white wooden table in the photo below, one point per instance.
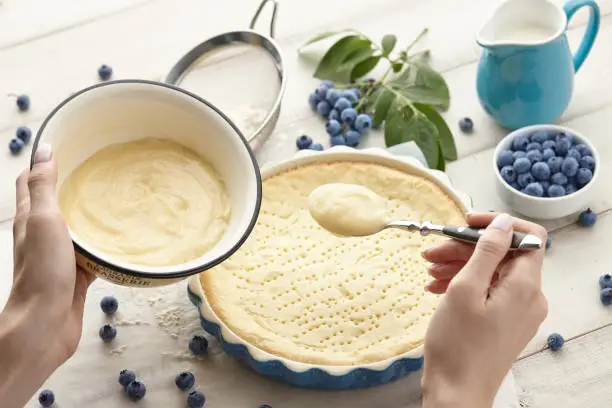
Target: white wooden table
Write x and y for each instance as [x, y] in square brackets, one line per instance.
[49, 49]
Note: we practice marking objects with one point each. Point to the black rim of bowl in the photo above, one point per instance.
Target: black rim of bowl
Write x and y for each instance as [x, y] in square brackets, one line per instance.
[186, 272]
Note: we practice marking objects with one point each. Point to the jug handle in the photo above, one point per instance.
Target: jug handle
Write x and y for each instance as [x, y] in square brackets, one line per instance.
[590, 33]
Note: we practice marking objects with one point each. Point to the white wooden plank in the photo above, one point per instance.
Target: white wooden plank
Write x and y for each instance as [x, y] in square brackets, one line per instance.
[577, 375]
[26, 20]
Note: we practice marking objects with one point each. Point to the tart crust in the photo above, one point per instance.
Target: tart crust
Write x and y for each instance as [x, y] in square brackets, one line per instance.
[299, 292]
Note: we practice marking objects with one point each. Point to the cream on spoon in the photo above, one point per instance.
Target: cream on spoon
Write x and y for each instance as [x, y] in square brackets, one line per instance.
[352, 210]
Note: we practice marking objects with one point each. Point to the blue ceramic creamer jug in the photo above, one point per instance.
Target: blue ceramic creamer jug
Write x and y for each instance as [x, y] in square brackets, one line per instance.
[526, 71]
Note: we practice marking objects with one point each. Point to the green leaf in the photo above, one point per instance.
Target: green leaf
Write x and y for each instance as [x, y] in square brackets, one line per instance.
[445, 136]
[340, 60]
[397, 66]
[381, 109]
[323, 36]
[364, 67]
[404, 125]
[420, 83]
[441, 160]
[388, 43]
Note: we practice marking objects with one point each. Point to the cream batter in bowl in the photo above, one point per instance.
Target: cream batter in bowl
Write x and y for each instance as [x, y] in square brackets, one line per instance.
[156, 184]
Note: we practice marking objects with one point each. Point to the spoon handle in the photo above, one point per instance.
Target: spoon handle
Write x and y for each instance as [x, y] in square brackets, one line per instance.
[520, 240]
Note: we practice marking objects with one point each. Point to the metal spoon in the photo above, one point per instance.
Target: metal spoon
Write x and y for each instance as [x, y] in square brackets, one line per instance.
[520, 241]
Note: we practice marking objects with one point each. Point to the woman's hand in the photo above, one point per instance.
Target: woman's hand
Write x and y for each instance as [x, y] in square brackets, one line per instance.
[41, 324]
[492, 308]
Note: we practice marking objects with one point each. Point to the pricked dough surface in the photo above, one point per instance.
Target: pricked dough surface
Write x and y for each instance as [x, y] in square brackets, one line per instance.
[299, 292]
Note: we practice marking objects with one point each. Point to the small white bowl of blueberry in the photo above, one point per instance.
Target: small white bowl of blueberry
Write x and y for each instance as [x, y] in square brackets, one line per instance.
[545, 171]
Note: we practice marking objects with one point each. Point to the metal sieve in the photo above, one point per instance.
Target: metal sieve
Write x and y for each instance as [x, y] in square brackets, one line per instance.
[240, 44]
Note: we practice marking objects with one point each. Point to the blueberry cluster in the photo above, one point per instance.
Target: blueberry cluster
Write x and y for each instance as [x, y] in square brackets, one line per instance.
[134, 389]
[546, 165]
[605, 285]
[345, 125]
[22, 137]
[109, 306]
[185, 381]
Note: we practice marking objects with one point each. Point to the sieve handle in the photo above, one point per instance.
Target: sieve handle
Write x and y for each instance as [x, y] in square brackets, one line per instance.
[272, 19]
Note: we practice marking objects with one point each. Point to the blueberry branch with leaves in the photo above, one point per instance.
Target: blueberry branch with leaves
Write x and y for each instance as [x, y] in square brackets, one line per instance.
[406, 99]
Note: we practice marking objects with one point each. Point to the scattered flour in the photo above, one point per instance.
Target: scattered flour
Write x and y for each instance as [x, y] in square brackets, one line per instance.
[127, 322]
[248, 118]
[118, 351]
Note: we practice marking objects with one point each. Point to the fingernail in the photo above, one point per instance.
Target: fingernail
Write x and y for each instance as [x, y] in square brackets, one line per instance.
[425, 252]
[502, 222]
[43, 153]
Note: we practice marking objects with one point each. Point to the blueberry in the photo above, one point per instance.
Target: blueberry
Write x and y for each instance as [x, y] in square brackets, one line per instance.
[548, 242]
[525, 179]
[587, 218]
[196, 399]
[508, 174]
[342, 104]
[23, 103]
[126, 377]
[533, 146]
[545, 186]
[574, 153]
[327, 84]
[605, 281]
[313, 100]
[569, 166]
[520, 142]
[109, 305]
[547, 154]
[534, 156]
[572, 180]
[136, 390]
[338, 140]
[352, 138]
[587, 162]
[105, 72]
[522, 165]
[107, 333]
[16, 146]
[265, 406]
[184, 380]
[324, 108]
[334, 115]
[321, 92]
[539, 137]
[514, 186]
[333, 127]
[606, 296]
[198, 345]
[332, 96]
[549, 144]
[466, 125]
[534, 189]
[349, 95]
[24, 133]
[559, 178]
[584, 176]
[518, 154]
[555, 164]
[583, 149]
[303, 142]
[555, 190]
[363, 122]
[348, 116]
[570, 189]
[555, 341]
[564, 136]
[540, 171]
[562, 146]
[46, 398]
[316, 146]
[505, 158]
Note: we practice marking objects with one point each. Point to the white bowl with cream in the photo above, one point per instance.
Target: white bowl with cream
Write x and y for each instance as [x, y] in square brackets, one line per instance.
[129, 111]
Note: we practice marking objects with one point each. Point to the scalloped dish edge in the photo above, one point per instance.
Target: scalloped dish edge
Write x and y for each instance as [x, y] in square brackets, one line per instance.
[376, 155]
